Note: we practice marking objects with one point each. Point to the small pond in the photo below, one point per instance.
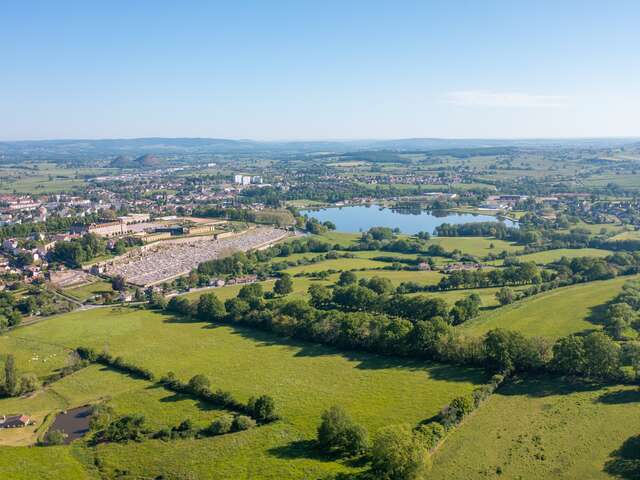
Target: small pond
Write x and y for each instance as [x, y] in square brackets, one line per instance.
[74, 422]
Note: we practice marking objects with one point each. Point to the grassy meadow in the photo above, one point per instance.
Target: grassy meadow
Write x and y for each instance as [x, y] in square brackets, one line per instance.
[552, 314]
[303, 378]
[85, 292]
[542, 428]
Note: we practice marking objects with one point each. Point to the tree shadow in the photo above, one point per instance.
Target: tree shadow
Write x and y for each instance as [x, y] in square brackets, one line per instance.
[625, 461]
[547, 385]
[620, 397]
[302, 449]
[364, 360]
[175, 318]
[597, 314]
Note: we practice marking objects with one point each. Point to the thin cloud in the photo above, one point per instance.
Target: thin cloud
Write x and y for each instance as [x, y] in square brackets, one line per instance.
[476, 98]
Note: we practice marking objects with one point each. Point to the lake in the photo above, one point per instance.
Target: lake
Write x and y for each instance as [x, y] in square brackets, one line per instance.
[362, 217]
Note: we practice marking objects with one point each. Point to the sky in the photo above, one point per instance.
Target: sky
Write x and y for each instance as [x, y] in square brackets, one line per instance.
[277, 70]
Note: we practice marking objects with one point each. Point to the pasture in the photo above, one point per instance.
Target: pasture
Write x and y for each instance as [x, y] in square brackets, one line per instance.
[303, 378]
[476, 246]
[85, 292]
[542, 428]
[552, 314]
[549, 256]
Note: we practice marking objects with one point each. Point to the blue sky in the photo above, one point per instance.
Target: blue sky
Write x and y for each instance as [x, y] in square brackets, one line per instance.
[312, 70]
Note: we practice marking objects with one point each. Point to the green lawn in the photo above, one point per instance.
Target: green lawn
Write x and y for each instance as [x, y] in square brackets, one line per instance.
[303, 378]
[551, 314]
[340, 264]
[477, 246]
[548, 256]
[627, 235]
[541, 429]
[487, 295]
[86, 291]
[51, 463]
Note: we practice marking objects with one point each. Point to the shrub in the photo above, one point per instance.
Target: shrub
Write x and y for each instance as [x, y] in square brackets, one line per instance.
[242, 422]
[431, 434]
[199, 383]
[263, 408]
[337, 432]
[220, 425]
[398, 454]
[54, 437]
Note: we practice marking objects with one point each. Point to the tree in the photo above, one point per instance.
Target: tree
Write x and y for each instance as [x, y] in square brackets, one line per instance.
[602, 356]
[505, 296]
[28, 383]
[210, 308]
[10, 375]
[338, 432]
[242, 422]
[465, 309]
[320, 296]
[198, 383]
[123, 429]
[431, 434]
[220, 425]
[54, 437]
[347, 278]
[262, 408]
[283, 285]
[180, 305]
[253, 290]
[569, 355]
[118, 283]
[398, 454]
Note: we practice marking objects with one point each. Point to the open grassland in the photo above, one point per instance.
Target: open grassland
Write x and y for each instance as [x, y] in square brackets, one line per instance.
[476, 246]
[86, 291]
[51, 463]
[487, 295]
[300, 287]
[399, 276]
[626, 180]
[543, 429]
[339, 264]
[339, 238]
[552, 314]
[44, 178]
[303, 378]
[627, 235]
[548, 256]
[94, 384]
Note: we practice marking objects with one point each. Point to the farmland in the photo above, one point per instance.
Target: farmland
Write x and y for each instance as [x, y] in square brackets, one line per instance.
[303, 378]
[540, 428]
[553, 314]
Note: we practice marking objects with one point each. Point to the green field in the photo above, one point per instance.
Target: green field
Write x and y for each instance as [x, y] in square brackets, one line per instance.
[476, 246]
[548, 256]
[542, 429]
[551, 314]
[303, 378]
[627, 235]
[87, 291]
[339, 264]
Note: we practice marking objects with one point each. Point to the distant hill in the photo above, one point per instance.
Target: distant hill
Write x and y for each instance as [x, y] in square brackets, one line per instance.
[140, 152]
[144, 161]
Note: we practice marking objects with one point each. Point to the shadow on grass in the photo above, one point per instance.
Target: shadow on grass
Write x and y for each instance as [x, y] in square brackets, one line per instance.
[547, 385]
[301, 449]
[620, 397]
[625, 461]
[307, 449]
[597, 314]
[365, 360]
